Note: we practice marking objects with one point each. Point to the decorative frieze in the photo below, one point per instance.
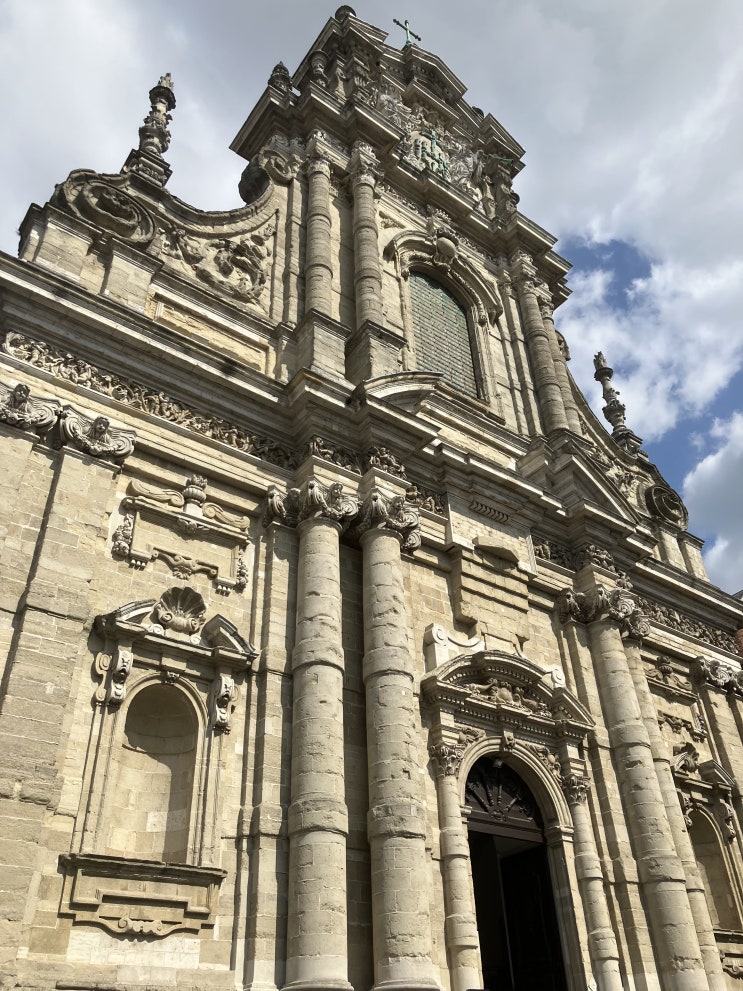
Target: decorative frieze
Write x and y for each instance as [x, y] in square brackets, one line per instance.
[66, 366]
[671, 617]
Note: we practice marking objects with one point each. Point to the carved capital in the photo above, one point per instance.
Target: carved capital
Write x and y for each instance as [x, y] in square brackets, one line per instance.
[447, 758]
[19, 409]
[312, 501]
[576, 788]
[600, 603]
[96, 436]
[722, 674]
[394, 514]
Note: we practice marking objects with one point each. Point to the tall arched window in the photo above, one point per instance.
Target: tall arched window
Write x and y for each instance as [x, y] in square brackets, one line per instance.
[441, 332]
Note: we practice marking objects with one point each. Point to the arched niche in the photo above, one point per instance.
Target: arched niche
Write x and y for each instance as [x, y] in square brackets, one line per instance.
[713, 868]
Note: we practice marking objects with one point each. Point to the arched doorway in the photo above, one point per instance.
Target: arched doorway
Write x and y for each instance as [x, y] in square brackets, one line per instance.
[514, 900]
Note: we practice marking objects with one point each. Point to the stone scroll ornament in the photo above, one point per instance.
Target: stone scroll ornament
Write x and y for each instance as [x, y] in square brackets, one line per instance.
[19, 409]
[96, 436]
[394, 514]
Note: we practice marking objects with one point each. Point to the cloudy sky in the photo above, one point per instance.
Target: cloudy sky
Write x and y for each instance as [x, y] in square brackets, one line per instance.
[630, 115]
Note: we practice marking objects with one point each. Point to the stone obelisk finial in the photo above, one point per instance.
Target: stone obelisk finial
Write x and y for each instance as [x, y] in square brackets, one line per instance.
[614, 410]
[154, 136]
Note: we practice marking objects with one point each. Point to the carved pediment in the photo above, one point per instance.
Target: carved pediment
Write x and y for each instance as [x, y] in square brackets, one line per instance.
[506, 691]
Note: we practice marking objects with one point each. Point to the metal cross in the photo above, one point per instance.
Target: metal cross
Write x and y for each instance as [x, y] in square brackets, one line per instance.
[408, 33]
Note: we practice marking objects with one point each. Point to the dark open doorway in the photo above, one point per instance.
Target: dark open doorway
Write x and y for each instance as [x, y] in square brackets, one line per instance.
[514, 899]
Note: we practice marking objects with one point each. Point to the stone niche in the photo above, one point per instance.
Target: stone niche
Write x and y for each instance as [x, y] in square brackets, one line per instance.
[145, 857]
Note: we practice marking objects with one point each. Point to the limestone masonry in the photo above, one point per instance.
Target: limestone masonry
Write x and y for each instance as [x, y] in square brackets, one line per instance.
[343, 646]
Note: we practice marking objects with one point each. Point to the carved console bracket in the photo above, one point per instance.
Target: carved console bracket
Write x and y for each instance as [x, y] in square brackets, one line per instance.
[139, 898]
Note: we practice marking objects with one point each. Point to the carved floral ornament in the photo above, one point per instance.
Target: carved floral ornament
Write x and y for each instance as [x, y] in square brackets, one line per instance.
[186, 531]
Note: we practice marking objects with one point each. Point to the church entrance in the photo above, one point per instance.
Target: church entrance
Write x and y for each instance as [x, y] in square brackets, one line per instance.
[514, 900]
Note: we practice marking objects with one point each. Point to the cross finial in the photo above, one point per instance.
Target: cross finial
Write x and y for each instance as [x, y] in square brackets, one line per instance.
[408, 33]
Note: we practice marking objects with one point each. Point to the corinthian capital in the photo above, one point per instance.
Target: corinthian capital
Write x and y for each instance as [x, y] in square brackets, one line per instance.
[618, 604]
[394, 514]
[576, 788]
[312, 500]
[446, 757]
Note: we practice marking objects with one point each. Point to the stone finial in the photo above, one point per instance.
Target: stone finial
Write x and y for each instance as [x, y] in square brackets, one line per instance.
[154, 136]
[614, 410]
[280, 78]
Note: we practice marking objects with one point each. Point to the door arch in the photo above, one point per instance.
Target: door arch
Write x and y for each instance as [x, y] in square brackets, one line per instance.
[514, 897]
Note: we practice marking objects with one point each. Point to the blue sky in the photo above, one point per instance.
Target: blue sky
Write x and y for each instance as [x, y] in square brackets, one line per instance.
[630, 116]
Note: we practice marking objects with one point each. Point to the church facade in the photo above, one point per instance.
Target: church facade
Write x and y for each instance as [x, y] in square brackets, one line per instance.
[343, 647]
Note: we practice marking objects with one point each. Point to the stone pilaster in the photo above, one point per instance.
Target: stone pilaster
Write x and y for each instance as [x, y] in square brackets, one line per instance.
[397, 827]
[367, 269]
[681, 840]
[602, 943]
[462, 940]
[318, 269]
[317, 951]
[607, 614]
[561, 369]
[549, 393]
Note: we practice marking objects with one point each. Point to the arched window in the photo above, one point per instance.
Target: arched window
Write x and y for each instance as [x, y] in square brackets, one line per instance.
[441, 333]
[151, 807]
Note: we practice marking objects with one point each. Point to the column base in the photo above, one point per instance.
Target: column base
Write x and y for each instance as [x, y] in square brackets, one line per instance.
[318, 984]
[424, 984]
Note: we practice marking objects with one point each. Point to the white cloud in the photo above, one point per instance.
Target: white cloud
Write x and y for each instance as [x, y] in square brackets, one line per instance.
[712, 492]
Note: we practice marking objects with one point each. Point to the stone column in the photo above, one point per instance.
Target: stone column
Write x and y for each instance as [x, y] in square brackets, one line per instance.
[681, 840]
[317, 952]
[661, 875]
[559, 359]
[602, 943]
[396, 823]
[549, 393]
[318, 268]
[462, 940]
[367, 269]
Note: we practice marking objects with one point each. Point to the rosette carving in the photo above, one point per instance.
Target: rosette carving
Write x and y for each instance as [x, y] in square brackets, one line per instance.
[96, 436]
[666, 504]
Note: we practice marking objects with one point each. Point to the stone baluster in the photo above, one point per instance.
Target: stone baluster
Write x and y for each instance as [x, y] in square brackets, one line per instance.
[681, 839]
[661, 875]
[549, 393]
[602, 943]
[561, 369]
[318, 269]
[461, 922]
[396, 821]
[367, 269]
[317, 952]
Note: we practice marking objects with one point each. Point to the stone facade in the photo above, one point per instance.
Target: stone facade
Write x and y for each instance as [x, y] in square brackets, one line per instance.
[317, 631]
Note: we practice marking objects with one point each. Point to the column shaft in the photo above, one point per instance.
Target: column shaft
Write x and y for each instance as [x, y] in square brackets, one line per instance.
[561, 371]
[462, 940]
[317, 953]
[397, 827]
[682, 842]
[318, 269]
[602, 943]
[549, 393]
[661, 874]
[367, 270]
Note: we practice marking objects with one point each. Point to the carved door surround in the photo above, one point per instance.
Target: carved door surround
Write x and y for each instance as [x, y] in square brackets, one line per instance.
[500, 705]
[169, 647]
